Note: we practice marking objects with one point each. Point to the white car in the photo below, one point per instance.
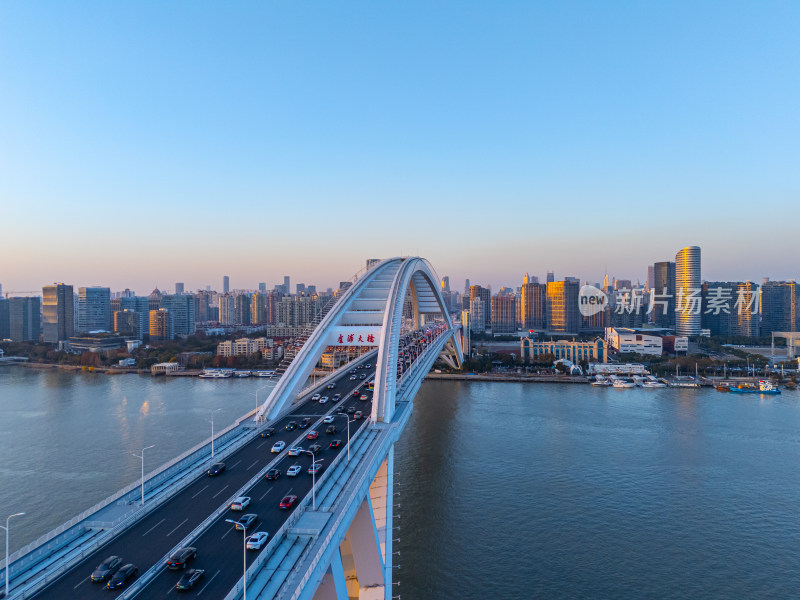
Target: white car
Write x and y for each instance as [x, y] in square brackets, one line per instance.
[323, 400]
[240, 503]
[293, 470]
[258, 539]
[328, 419]
[278, 447]
[352, 377]
[315, 397]
[296, 451]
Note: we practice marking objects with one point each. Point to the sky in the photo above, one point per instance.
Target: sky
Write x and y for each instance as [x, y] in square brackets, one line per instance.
[144, 143]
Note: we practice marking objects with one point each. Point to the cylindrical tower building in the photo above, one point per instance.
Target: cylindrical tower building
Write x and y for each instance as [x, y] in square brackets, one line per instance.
[688, 308]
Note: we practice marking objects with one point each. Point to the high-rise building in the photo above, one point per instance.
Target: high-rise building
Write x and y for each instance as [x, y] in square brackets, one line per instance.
[563, 314]
[126, 323]
[651, 277]
[178, 288]
[477, 317]
[94, 309]
[181, 309]
[161, 325]
[140, 305]
[664, 294]
[747, 306]
[58, 312]
[242, 309]
[466, 287]
[551, 277]
[226, 284]
[688, 291]
[504, 314]
[532, 298]
[262, 287]
[301, 288]
[287, 288]
[780, 301]
[5, 330]
[445, 284]
[485, 295]
[227, 309]
[24, 319]
[154, 299]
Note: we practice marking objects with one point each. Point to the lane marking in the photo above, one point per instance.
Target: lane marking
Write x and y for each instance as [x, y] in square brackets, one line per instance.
[80, 584]
[177, 526]
[236, 463]
[200, 492]
[219, 492]
[253, 465]
[209, 582]
[153, 527]
[261, 444]
[265, 493]
[227, 532]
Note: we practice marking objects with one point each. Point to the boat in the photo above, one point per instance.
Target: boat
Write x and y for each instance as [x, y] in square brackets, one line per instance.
[241, 373]
[722, 388]
[264, 373]
[763, 387]
[652, 382]
[622, 384]
[216, 373]
[600, 381]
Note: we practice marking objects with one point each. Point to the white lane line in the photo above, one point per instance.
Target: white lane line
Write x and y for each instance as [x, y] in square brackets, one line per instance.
[200, 492]
[80, 584]
[236, 463]
[261, 444]
[265, 493]
[226, 533]
[219, 492]
[253, 465]
[153, 527]
[172, 587]
[177, 526]
[209, 582]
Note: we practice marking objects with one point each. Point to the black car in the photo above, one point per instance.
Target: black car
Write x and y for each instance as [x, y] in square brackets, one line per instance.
[121, 577]
[331, 429]
[189, 579]
[106, 568]
[305, 423]
[335, 444]
[314, 449]
[269, 431]
[246, 522]
[362, 376]
[331, 386]
[351, 410]
[291, 426]
[216, 469]
[180, 557]
[273, 474]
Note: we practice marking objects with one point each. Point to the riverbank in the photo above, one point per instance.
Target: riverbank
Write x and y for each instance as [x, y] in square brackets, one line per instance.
[515, 377]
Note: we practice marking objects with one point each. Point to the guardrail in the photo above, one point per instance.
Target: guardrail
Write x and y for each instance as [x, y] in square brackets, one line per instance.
[279, 535]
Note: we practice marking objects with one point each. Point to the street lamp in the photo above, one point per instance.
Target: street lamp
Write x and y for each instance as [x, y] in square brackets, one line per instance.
[348, 433]
[244, 555]
[313, 478]
[212, 430]
[7, 531]
[142, 457]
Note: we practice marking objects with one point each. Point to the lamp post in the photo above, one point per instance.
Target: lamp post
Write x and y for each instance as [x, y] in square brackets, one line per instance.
[244, 558]
[7, 532]
[142, 457]
[348, 433]
[212, 430]
[313, 479]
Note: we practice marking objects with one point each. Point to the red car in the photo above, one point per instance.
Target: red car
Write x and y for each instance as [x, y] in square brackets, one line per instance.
[358, 414]
[288, 501]
[356, 393]
[312, 435]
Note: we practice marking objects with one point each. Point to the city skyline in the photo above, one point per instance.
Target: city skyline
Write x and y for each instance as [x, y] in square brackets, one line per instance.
[463, 133]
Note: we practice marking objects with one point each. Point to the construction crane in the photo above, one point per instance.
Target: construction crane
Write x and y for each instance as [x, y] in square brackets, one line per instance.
[37, 292]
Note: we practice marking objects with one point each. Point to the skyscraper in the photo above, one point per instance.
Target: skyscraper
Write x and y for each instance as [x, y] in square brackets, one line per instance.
[664, 291]
[563, 314]
[181, 309]
[551, 277]
[226, 284]
[532, 298]
[58, 312]
[485, 296]
[287, 289]
[780, 301]
[262, 287]
[504, 314]
[688, 291]
[94, 309]
[161, 325]
[24, 321]
[445, 284]
[178, 288]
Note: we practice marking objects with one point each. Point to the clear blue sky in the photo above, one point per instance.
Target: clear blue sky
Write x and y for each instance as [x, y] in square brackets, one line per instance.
[143, 143]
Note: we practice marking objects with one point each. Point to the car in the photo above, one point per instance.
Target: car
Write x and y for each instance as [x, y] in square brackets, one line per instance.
[180, 557]
[324, 400]
[189, 579]
[362, 376]
[296, 451]
[351, 410]
[356, 393]
[337, 397]
[216, 469]
[315, 397]
[352, 371]
[340, 410]
[293, 470]
[269, 431]
[273, 474]
[363, 397]
[314, 449]
[328, 419]
[291, 426]
[353, 378]
[335, 444]
[246, 522]
[257, 540]
[368, 365]
[305, 423]
[278, 447]
[121, 577]
[331, 429]
[358, 415]
[240, 503]
[314, 468]
[331, 386]
[106, 568]
[288, 501]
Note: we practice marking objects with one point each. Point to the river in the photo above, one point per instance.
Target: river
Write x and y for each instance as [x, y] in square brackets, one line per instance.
[505, 490]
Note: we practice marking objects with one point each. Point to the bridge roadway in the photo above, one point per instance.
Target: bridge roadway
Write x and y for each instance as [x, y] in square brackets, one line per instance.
[220, 546]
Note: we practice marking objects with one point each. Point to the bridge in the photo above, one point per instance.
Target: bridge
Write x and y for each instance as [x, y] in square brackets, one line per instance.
[335, 540]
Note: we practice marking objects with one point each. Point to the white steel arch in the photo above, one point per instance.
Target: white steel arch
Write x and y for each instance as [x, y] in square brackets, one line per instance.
[374, 305]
